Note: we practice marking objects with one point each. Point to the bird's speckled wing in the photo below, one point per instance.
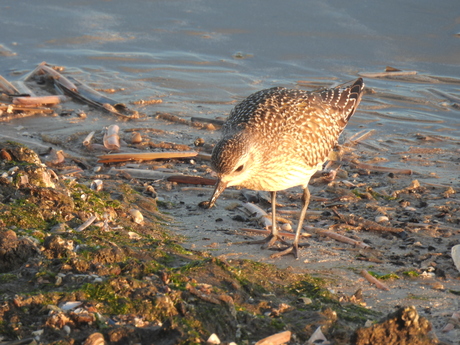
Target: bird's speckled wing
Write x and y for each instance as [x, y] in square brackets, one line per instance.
[304, 122]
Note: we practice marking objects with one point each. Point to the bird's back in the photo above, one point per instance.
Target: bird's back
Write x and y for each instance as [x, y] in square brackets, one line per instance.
[306, 124]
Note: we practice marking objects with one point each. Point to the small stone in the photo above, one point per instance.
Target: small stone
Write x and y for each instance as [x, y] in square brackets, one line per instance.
[286, 227]
[381, 219]
[138, 218]
[66, 329]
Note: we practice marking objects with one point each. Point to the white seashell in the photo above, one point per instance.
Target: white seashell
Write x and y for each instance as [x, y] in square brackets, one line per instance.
[213, 339]
[456, 256]
[138, 218]
[286, 227]
[318, 337]
[95, 339]
[37, 333]
[134, 236]
[97, 185]
[111, 138]
[381, 219]
[306, 300]
[70, 305]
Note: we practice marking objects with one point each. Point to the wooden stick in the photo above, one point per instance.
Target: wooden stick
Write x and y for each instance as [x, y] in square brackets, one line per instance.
[386, 74]
[366, 224]
[123, 157]
[140, 173]
[267, 232]
[205, 120]
[344, 239]
[374, 281]
[42, 100]
[192, 180]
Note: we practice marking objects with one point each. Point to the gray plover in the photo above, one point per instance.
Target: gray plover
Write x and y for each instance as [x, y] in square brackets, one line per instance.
[277, 139]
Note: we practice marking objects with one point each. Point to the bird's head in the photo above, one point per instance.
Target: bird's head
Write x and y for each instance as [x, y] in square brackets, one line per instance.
[234, 159]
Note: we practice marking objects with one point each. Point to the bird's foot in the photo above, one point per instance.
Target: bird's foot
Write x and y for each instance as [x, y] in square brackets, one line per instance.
[292, 249]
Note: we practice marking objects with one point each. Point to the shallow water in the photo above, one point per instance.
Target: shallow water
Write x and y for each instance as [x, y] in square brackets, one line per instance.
[201, 56]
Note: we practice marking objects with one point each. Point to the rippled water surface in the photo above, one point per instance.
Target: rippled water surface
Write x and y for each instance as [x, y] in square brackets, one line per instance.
[200, 56]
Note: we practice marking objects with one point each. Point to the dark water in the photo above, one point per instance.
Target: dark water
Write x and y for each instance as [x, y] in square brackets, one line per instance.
[201, 55]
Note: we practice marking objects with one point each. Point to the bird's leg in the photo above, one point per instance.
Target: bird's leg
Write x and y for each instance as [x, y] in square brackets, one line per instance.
[294, 248]
[271, 239]
[274, 236]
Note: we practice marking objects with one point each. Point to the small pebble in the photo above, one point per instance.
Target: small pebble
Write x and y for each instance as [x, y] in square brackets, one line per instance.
[66, 329]
[381, 219]
[286, 227]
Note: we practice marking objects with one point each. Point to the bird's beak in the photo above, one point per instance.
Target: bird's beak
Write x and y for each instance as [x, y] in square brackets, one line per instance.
[220, 187]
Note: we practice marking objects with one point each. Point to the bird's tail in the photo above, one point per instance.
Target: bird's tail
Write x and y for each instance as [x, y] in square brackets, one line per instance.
[345, 100]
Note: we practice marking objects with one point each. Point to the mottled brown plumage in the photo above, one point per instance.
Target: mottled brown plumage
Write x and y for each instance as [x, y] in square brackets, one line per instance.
[278, 138]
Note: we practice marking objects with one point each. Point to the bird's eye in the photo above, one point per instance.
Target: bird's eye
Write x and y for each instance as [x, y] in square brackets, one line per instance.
[240, 168]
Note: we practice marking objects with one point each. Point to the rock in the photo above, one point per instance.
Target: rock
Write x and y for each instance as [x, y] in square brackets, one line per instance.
[14, 251]
[404, 326]
[456, 256]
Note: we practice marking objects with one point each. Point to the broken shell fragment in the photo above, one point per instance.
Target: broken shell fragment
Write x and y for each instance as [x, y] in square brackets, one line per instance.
[97, 185]
[111, 138]
[381, 219]
[213, 339]
[95, 339]
[138, 218]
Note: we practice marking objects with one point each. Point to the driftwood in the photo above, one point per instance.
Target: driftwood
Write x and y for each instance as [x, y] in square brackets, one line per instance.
[365, 224]
[205, 120]
[386, 74]
[343, 239]
[177, 119]
[82, 92]
[192, 180]
[267, 232]
[37, 101]
[124, 157]
[374, 281]
[140, 173]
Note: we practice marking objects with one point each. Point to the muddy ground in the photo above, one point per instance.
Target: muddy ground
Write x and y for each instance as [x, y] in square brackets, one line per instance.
[179, 275]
